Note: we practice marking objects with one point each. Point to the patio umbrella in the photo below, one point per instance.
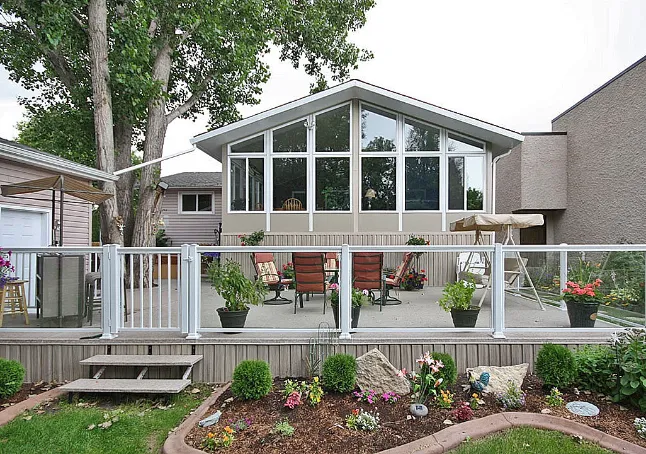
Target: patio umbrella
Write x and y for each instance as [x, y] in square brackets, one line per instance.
[63, 185]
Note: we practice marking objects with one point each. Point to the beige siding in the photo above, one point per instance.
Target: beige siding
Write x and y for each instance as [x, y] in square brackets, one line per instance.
[190, 228]
[77, 217]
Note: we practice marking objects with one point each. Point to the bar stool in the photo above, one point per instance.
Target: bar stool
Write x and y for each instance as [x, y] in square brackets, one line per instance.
[93, 297]
[13, 293]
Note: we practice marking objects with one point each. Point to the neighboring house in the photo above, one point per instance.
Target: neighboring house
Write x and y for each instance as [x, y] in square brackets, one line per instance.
[192, 207]
[26, 221]
[586, 176]
[352, 160]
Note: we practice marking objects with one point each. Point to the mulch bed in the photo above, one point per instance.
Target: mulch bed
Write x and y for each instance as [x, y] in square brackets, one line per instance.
[321, 429]
[27, 390]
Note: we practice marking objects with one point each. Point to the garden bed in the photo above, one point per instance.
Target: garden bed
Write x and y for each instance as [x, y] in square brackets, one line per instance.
[26, 391]
[322, 429]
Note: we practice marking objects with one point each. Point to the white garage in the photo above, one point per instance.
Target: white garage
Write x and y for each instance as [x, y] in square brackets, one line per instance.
[23, 227]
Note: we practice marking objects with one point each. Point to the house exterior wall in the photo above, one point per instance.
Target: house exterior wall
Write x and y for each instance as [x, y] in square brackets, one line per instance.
[183, 228]
[77, 217]
[508, 182]
[606, 137]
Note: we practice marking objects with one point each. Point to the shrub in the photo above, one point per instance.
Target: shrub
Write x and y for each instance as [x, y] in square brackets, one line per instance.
[555, 366]
[11, 376]
[512, 399]
[630, 348]
[449, 372]
[362, 420]
[595, 368]
[251, 380]
[340, 373]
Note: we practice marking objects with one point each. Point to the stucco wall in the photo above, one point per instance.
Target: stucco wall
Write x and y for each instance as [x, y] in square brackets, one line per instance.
[76, 216]
[606, 140]
[544, 172]
[190, 228]
[508, 186]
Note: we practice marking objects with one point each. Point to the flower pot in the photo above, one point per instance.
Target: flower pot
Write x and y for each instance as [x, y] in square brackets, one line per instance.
[356, 311]
[582, 315]
[465, 318]
[232, 319]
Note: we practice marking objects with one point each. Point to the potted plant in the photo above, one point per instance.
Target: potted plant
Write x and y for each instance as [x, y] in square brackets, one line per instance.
[6, 269]
[238, 292]
[582, 301]
[456, 298]
[417, 241]
[359, 298]
[413, 280]
[252, 239]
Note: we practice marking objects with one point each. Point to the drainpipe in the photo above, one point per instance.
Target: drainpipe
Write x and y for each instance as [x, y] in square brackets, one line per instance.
[493, 179]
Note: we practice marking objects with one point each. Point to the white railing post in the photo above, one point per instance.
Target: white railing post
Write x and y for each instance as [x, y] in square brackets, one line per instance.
[498, 292]
[345, 292]
[562, 274]
[110, 291]
[194, 278]
[184, 260]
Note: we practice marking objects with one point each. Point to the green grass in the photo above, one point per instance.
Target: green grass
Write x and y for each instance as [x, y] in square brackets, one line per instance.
[529, 441]
[141, 427]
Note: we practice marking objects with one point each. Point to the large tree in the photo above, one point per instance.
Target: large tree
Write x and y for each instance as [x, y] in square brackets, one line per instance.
[134, 66]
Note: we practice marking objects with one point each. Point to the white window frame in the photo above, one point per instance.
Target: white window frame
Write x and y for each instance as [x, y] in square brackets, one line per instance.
[292, 155]
[466, 186]
[180, 204]
[246, 157]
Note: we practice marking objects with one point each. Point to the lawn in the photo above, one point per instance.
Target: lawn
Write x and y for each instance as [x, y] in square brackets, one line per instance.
[137, 426]
[529, 441]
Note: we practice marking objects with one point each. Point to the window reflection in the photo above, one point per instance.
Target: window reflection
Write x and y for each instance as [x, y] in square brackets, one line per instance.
[290, 184]
[333, 130]
[253, 145]
[379, 184]
[466, 183]
[291, 138]
[333, 184]
[423, 183]
[378, 130]
[463, 144]
[420, 137]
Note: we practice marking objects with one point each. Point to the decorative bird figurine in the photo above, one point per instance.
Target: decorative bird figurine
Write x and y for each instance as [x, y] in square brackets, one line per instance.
[480, 383]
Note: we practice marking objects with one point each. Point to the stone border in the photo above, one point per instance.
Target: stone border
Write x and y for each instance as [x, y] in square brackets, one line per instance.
[8, 414]
[444, 440]
[175, 443]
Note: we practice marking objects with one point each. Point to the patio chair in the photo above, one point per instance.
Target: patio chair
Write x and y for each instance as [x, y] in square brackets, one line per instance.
[513, 269]
[292, 204]
[266, 270]
[397, 278]
[332, 263]
[367, 273]
[309, 274]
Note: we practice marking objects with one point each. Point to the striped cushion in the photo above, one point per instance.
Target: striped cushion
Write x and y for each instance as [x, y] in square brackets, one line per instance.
[267, 272]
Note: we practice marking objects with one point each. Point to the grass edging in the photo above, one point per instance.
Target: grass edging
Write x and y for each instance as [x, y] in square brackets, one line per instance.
[10, 413]
[175, 443]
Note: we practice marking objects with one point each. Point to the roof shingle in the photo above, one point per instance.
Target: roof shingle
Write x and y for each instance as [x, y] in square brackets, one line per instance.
[194, 180]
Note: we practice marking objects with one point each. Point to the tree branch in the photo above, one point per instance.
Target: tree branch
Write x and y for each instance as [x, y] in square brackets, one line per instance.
[190, 102]
[80, 23]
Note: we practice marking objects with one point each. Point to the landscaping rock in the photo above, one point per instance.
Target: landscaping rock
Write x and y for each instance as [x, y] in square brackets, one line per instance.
[500, 376]
[375, 372]
[582, 408]
[418, 410]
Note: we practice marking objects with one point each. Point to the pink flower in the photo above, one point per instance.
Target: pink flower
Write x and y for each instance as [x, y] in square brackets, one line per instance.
[334, 286]
[402, 373]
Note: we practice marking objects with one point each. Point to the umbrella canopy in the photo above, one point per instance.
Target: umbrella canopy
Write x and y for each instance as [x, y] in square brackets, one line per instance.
[496, 222]
[58, 183]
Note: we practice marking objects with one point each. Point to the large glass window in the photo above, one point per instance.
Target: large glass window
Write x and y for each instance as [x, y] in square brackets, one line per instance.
[290, 184]
[333, 184]
[423, 183]
[253, 145]
[333, 130]
[238, 184]
[379, 184]
[378, 129]
[247, 172]
[466, 183]
[421, 137]
[194, 203]
[291, 138]
[463, 144]
[256, 182]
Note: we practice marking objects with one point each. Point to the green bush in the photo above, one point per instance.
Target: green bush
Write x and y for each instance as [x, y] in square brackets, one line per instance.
[630, 348]
[251, 380]
[595, 368]
[340, 373]
[555, 366]
[449, 372]
[11, 376]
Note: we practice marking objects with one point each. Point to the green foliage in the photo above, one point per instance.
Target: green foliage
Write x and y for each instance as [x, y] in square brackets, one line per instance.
[312, 391]
[449, 373]
[555, 398]
[595, 368]
[474, 199]
[358, 297]
[555, 366]
[362, 420]
[284, 428]
[230, 282]
[12, 375]
[161, 240]
[340, 373]
[630, 350]
[253, 239]
[457, 295]
[513, 398]
[251, 380]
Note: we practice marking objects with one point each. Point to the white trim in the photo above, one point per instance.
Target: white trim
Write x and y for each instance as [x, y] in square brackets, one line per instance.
[484, 188]
[180, 206]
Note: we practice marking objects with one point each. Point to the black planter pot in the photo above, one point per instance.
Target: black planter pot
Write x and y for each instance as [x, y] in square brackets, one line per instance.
[232, 319]
[465, 318]
[356, 311]
[582, 315]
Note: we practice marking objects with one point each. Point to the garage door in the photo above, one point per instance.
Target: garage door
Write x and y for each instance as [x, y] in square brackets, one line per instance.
[22, 228]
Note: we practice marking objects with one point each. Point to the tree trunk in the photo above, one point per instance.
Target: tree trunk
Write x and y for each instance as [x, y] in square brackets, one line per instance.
[102, 100]
[123, 132]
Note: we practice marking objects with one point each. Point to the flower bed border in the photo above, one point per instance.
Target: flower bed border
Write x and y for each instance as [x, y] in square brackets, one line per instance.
[444, 440]
[10, 413]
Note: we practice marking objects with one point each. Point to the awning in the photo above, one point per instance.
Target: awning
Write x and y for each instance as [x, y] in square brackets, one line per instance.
[58, 183]
[496, 222]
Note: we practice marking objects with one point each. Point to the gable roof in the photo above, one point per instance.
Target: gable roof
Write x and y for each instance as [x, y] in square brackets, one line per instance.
[501, 139]
[194, 180]
[23, 154]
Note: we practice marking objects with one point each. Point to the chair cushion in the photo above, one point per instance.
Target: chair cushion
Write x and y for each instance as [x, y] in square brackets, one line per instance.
[267, 272]
[390, 281]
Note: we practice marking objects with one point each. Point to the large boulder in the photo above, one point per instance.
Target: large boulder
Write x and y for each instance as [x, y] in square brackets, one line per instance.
[500, 376]
[375, 372]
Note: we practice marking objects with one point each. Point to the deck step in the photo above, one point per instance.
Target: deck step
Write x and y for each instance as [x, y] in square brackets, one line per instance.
[142, 360]
[125, 385]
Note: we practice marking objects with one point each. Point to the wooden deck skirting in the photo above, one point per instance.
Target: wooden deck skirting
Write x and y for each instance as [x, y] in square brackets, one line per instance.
[59, 358]
[439, 266]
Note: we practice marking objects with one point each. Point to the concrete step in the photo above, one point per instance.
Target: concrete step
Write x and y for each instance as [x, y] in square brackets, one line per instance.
[142, 360]
[124, 385]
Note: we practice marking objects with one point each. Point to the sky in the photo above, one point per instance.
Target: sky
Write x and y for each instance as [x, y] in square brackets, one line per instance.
[517, 64]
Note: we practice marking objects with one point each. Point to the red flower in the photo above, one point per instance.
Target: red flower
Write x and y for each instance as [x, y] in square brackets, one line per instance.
[422, 271]
[239, 236]
[242, 244]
